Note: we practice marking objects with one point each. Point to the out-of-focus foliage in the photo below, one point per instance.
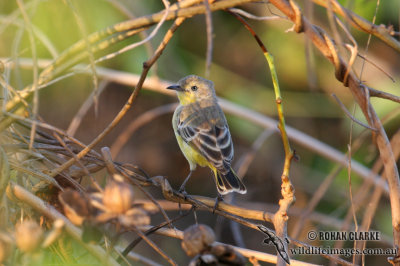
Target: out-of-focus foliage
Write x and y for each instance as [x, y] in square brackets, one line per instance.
[241, 75]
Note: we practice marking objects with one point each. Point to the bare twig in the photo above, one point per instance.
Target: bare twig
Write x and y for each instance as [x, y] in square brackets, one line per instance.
[376, 195]
[152, 230]
[373, 64]
[128, 13]
[155, 247]
[142, 120]
[316, 198]
[35, 69]
[251, 16]
[350, 115]
[382, 32]
[92, 65]
[369, 39]
[245, 161]
[76, 121]
[350, 152]
[147, 39]
[209, 38]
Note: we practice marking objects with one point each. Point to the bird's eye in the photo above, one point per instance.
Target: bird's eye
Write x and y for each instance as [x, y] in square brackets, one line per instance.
[194, 88]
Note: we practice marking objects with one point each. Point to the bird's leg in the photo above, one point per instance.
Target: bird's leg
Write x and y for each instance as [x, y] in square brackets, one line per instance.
[217, 200]
[182, 188]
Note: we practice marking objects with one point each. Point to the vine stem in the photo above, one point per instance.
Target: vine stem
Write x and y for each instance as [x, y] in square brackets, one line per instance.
[287, 190]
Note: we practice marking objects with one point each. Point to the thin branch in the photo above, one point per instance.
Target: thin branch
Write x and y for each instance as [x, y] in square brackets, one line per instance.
[209, 38]
[92, 65]
[353, 49]
[380, 31]
[172, 195]
[147, 39]
[139, 122]
[369, 39]
[344, 109]
[35, 102]
[155, 247]
[309, 52]
[373, 64]
[151, 231]
[251, 16]
[383, 95]
[313, 202]
[76, 121]
[376, 195]
[352, 208]
[125, 11]
[83, 167]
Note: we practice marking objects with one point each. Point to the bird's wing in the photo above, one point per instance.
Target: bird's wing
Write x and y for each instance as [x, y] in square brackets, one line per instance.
[212, 141]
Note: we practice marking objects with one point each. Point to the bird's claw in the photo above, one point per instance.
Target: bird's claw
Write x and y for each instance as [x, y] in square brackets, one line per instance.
[217, 200]
[183, 192]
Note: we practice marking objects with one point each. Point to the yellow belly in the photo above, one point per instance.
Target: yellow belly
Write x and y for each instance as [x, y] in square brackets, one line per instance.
[194, 157]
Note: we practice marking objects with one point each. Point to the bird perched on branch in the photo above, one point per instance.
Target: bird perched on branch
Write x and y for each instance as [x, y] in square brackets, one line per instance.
[203, 134]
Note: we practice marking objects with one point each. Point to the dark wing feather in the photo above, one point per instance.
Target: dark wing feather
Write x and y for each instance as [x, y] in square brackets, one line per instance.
[213, 142]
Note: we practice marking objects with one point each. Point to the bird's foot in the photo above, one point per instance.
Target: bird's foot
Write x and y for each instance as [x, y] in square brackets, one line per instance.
[182, 190]
[217, 200]
[185, 196]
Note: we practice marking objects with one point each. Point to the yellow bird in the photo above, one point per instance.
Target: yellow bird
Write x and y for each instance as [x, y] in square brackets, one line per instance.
[203, 134]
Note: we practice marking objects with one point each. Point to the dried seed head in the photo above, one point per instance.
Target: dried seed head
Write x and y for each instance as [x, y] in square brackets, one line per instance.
[28, 235]
[76, 206]
[197, 238]
[118, 197]
[135, 217]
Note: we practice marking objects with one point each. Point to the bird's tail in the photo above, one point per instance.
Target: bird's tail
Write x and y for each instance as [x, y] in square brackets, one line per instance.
[229, 182]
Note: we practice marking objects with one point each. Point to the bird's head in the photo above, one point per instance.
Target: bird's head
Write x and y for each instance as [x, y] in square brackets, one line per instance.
[193, 88]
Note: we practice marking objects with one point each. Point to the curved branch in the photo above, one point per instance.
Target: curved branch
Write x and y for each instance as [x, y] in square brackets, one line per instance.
[360, 23]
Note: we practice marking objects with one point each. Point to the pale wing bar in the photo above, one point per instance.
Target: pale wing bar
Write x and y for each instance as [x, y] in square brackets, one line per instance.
[215, 144]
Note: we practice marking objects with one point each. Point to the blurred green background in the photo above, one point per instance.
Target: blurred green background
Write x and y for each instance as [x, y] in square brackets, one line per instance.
[241, 75]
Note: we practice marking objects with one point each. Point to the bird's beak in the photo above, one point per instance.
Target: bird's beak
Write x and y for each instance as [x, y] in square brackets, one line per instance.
[175, 88]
